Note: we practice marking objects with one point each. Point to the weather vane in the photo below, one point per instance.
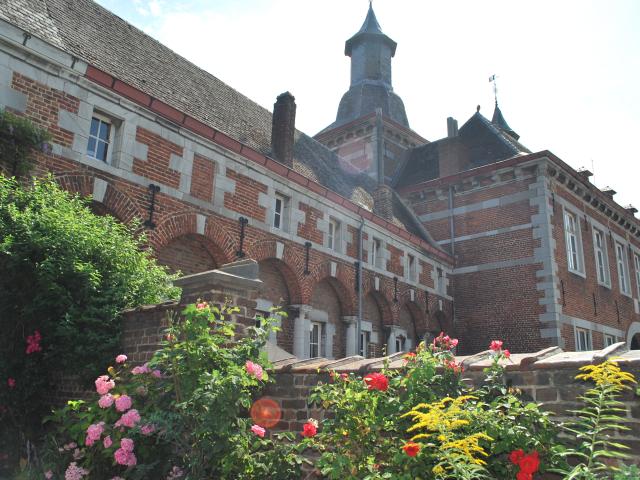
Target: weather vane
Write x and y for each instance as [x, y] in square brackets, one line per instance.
[492, 78]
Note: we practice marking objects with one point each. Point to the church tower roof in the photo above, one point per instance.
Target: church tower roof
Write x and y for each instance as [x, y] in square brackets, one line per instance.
[499, 121]
[370, 29]
[371, 88]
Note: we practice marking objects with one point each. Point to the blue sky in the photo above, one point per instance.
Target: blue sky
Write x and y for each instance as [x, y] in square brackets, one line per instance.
[568, 71]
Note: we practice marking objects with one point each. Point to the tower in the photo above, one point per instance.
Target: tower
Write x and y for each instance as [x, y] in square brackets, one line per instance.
[371, 130]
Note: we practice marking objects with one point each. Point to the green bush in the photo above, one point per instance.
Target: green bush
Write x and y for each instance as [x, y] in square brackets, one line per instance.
[19, 140]
[66, 275]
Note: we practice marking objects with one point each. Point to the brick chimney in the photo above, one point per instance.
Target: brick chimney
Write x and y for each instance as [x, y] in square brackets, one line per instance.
[452, 127]
[383, 202]
[283, 128]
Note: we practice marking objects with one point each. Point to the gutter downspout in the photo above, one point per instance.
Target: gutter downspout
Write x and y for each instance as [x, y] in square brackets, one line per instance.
[451, 221]
[360, 247]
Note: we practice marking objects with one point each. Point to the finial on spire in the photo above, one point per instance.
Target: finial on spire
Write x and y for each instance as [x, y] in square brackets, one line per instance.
[492, 78]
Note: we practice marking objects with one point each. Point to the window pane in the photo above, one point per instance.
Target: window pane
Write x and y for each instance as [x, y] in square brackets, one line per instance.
[104, 131]
[101, 151]
[95, 123]
[91, 147]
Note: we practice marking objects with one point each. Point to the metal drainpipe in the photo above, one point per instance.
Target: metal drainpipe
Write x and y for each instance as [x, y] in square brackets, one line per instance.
[359, 327]
[453, 250]
[451, 221]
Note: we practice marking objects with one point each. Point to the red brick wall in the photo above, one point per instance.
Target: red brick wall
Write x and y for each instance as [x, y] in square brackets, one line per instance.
[309, 229]
[188, 253]
[202, 178]
[245, 198]
[396, 260]
[612, 308]
[156, 166]
[43, 105]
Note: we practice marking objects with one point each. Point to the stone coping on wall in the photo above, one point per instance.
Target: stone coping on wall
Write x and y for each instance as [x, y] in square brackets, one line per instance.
[549, 358]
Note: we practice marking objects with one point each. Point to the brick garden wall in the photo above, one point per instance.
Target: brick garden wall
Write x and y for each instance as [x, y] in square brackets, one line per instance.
[547, 377]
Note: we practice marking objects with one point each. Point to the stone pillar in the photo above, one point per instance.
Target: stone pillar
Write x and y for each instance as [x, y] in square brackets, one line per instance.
[351, 347]
[301, 326]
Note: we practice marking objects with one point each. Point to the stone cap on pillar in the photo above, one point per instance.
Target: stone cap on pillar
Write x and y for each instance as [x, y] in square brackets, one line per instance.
[236, 279]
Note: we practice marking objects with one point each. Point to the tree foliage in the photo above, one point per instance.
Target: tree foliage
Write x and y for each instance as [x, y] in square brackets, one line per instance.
[66, 274]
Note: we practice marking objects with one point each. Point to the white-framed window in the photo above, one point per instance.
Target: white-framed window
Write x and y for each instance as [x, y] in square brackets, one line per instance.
[281, 212]
[100, 140]
[333, 236]
[365, 341]
[583, 340]
[411, 268]
[376, 252]
[401, 341]
[623, 268]
[636, 261]
[602, 260]
[315, 339]
[572, 239]
[609, 340]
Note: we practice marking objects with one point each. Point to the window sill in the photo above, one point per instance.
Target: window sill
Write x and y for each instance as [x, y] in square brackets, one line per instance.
[578, 273]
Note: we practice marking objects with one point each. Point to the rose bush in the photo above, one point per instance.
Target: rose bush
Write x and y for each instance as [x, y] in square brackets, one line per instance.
[181, 415]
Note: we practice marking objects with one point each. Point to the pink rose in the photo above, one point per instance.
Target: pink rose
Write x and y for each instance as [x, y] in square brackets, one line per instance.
[48, 474]
[104, 384]
[74, 472]
[107, 442]
[127, 444]
[147, 429]
[121, 358]
[105, 401]
[129, 419]
[123, 457]
[496, 345]
[141, 369]
[94, 432]
[258, 430]
[123, 403]
[11, 382]
[506, 353]
[254, 369]
[157, 373]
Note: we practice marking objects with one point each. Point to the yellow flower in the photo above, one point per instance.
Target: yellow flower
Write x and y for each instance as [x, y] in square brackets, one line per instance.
[606, 374]
[469, 447]
[438, 470]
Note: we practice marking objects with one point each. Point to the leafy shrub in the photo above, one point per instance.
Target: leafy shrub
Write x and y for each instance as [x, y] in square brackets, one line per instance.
[182, 415]
[66, 275]
[19, 140]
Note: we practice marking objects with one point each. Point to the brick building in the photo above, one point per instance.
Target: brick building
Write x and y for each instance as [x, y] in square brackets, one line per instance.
[472, 234]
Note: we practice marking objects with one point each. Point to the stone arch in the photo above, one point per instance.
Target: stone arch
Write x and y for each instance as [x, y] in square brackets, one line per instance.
[280, 288]
[214, 240]
[344, 277]
[411, 323]
[376, 311]
[327, 304]
[114, 202]
[633, 336]
[287, 262]
[189, 253]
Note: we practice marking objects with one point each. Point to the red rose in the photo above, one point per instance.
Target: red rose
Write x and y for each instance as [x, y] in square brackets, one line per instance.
[377, 381]
[516, 456]
[530, 463]
[506, 353]
[411, 449]
[524, 476]
[309, 430]
[11, 382]
[496, 345]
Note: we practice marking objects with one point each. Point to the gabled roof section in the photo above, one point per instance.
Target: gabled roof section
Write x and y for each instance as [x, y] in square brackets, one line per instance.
[370, 29]
[478, 143]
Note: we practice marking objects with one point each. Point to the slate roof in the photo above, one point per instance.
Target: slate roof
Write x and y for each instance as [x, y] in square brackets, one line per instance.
[90, 32]
[370, 27]
[479, 142]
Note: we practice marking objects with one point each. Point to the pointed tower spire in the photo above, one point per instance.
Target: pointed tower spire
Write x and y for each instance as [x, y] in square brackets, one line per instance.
[371, 52]
[499, 121]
